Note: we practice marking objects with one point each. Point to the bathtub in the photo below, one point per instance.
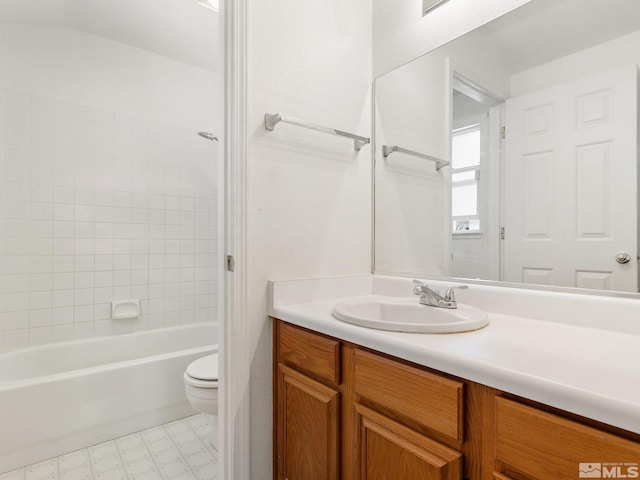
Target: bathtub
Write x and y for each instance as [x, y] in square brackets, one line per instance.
[62, 397]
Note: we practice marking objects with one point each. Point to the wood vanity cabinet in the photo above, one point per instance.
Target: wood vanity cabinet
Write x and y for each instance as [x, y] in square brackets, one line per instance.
[342, 412]
[532, 443]
[345, 412]
[307, 402]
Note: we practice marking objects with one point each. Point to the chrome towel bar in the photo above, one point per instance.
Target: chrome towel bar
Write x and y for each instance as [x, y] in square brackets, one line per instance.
[388, 150]
[271, 120]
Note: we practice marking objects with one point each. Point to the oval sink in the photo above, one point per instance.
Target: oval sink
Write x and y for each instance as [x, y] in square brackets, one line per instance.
[401, 314]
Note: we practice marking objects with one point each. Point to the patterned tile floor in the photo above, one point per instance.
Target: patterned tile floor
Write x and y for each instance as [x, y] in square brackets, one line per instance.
[173, 451]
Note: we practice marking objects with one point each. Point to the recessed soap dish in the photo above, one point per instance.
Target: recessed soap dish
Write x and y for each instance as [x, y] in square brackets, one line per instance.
[122, 309]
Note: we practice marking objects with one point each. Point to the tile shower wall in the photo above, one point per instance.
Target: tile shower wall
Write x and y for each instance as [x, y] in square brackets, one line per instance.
[98, 206]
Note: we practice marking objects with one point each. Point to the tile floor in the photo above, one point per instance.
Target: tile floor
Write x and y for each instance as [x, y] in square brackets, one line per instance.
[173, 451]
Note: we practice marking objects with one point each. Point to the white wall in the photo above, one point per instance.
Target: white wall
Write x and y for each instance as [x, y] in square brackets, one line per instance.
[73, 66]
[401, 33]
[309, 193]
[106, 192]
[610, 55]
[413, 110]
[411, 209]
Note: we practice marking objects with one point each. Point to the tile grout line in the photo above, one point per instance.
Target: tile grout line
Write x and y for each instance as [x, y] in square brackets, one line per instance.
[85, 452]
[124, 468]
[184, 459]
[91, 472]
[210, 448]
[151, 454]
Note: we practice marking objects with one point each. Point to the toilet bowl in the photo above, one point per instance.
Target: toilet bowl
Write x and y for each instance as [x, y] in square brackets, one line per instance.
[201, 388]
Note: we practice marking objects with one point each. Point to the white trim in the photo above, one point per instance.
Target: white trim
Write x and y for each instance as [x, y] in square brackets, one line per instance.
[448, 127]
[495, 191]
[466, 81]
[234, 459]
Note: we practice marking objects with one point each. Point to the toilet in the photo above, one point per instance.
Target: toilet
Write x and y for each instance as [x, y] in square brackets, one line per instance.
[201, 387]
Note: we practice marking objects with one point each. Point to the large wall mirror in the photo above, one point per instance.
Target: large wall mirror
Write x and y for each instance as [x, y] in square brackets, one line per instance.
[511, 153]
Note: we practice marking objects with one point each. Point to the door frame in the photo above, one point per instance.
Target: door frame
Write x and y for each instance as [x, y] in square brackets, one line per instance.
[234, 393]
[462, 79]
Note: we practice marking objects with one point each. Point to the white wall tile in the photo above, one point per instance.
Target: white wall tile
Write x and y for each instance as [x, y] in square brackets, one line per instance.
[63, 246]
[62, 281]
[40, 318]
[16, 283]
[83, 329]
[102, 311]
[62, 333]
[41, 264]
[83, 313]
[16, 320]
[41, 281]
[62, 298]
[93, 209]
[84, 263]
[40, 335]
[16, 228]
[14, 302]
[16, 264]
[63, 263]
[103, 263]
[83, 296]
[39, 300]
[141, 292]
[121, 292]
[103, 294]
[41, 228]
[62, 316]
[104, 279]
[16, 190]
[15, 339]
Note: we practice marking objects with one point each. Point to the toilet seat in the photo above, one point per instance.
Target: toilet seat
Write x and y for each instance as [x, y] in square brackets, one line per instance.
[203, 373]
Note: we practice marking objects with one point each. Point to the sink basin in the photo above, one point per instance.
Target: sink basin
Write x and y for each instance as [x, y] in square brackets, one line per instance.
[401, 314]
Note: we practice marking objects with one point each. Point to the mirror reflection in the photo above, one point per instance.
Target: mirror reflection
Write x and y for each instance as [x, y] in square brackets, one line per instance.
[510, 154]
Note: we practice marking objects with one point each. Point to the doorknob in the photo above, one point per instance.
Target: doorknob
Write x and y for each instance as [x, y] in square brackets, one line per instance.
[623, 257]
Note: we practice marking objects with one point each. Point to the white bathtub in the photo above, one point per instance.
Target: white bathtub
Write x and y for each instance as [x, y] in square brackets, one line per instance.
[62, 397]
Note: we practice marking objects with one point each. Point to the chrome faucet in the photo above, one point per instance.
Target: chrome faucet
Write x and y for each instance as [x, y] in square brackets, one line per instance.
[433, 298]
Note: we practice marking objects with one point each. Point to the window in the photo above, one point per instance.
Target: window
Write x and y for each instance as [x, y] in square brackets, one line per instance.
[465, 173]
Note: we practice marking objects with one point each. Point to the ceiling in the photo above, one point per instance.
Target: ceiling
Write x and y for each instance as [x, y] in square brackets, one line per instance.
[544, 30]
[179, 29]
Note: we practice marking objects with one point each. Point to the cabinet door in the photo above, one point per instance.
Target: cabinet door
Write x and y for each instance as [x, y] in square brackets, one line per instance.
[535, 444]
[307, 419]
[388, 450]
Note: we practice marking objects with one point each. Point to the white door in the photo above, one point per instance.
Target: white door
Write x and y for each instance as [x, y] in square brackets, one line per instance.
[571, 184]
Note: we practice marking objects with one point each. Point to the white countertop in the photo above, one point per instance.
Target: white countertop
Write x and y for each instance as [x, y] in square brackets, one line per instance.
[593, 372]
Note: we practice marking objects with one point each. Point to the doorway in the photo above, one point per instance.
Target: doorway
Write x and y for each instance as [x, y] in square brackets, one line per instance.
[475, 174]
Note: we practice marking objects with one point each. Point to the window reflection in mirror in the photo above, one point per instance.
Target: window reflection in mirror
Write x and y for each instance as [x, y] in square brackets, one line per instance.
[465, 176]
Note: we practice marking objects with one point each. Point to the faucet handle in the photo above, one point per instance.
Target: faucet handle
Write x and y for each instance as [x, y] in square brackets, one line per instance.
[420, 287]
[450, 296]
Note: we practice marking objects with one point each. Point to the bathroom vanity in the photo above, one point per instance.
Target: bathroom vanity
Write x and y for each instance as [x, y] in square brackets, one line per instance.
[362, 409]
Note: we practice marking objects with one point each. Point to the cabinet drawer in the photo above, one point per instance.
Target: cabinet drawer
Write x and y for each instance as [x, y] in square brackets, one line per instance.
[309, 352]
[425, 398]
[543, 445]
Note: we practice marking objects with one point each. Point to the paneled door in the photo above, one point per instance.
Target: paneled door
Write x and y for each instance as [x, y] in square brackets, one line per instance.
[388, 450]
[307, 439]
[571, 184]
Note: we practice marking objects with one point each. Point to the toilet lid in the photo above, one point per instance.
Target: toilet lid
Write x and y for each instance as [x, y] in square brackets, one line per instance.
[205, 368]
